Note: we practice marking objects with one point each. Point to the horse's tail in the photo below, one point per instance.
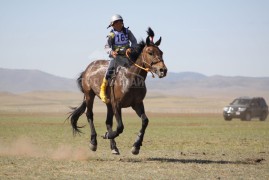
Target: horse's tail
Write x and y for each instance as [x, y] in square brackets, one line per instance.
[75, 114]
[79, 82]
[77, 111]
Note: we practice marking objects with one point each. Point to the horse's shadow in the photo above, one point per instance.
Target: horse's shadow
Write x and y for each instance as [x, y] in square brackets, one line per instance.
[204, 161]
[192, 161]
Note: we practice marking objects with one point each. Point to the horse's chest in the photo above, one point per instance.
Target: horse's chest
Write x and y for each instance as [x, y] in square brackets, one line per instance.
[130, 90]
[132, 97]
[129, 81]
[132, 85]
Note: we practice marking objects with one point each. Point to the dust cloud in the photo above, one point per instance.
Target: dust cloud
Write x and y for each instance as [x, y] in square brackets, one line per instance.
[24, 146]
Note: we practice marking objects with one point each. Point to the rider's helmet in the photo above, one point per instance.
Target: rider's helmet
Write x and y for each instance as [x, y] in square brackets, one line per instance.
[114, 18]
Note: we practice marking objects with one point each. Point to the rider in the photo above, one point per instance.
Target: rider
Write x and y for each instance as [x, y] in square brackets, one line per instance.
[118, 43]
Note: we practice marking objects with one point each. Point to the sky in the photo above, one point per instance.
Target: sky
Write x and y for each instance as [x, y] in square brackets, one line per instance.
[212, 37]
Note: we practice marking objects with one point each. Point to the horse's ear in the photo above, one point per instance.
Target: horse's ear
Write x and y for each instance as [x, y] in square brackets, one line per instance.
[148, 41]
[158, 42]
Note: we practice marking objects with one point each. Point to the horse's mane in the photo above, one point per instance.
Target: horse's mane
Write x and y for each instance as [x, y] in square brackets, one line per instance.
[150, 32]
[138, 50]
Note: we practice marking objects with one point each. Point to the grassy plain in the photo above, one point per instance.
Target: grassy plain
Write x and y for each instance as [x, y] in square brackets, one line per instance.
[37, 143]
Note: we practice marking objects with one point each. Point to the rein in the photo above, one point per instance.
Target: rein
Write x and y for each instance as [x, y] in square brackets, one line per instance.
[145, 69]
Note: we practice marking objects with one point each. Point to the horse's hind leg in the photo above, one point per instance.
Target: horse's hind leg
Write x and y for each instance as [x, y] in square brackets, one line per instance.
[140, 111]
[109, 124]
[89, 101]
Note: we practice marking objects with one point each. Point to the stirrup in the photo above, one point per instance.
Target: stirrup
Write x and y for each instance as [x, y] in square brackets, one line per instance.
[104, 99]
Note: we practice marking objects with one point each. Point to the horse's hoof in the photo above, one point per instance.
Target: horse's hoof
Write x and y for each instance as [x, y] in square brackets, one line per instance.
[105, 136]
[115, 152]
[93, 147]
[135, 150]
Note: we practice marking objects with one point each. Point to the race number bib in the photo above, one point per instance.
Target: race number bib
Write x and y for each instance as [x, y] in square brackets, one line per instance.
[121, 38]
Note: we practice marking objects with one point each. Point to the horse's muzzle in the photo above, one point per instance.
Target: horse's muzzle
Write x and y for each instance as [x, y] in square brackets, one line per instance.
[161, 72]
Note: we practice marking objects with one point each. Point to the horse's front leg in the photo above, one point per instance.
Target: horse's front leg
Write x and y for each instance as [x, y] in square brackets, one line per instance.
[140, 111]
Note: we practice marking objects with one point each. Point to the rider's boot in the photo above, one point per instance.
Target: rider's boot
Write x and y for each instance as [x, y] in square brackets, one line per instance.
[103, 91]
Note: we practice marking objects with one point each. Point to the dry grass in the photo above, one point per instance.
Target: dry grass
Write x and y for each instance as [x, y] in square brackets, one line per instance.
[39, 146]
[187, 138]
[58, 102]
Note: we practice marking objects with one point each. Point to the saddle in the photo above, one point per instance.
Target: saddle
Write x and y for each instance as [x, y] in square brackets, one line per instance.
[120, 61]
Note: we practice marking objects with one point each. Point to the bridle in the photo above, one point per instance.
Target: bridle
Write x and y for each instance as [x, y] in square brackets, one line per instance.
[145, 62]
[152, 61]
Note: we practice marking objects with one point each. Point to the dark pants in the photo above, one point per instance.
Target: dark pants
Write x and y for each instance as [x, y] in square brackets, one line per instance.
[114, 63]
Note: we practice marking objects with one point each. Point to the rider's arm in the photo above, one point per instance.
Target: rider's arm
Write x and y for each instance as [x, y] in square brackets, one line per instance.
[108, 46]
[132, 39]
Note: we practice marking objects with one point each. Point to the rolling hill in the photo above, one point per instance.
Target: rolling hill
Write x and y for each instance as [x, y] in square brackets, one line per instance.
[184, 83]
[186, 92]
[19, 81]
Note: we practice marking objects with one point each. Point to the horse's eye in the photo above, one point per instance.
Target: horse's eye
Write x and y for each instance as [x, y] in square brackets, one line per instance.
[150, 53]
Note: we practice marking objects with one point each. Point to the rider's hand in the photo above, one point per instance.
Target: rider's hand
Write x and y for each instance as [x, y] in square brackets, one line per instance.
[128, 52]
[114, 54]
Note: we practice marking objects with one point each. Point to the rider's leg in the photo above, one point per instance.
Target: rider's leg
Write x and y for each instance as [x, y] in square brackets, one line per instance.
[109, 72]
[103, 91]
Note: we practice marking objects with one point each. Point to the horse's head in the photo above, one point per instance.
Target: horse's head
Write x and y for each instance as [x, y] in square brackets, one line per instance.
[153, 57]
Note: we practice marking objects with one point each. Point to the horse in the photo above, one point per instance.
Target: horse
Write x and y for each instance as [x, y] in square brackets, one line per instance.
[128, 89]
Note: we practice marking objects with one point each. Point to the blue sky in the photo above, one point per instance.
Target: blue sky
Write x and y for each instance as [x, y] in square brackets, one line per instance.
[212, 37]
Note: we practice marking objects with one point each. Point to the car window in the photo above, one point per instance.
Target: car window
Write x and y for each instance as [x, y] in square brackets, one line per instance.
[241, 102]
[255, 103]
[262, 102]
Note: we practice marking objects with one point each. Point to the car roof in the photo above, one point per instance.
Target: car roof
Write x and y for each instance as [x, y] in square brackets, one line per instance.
[249, 98]
[244, 97]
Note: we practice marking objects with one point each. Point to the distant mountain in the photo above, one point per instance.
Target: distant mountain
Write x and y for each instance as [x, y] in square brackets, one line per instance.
[184, 83]
[185, 76]
[18, 81]
[199, 85]
[192, 79]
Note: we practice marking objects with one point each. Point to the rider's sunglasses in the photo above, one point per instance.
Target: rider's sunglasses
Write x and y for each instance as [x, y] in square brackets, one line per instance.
[116, 22]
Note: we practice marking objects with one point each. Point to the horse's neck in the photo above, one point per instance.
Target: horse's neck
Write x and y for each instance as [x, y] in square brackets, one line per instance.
[138, 71]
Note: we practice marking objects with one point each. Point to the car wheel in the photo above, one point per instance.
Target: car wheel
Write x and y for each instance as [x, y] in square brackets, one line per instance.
[227, 118]
[247, 117]
[263, 116]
